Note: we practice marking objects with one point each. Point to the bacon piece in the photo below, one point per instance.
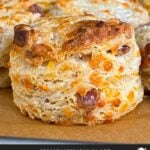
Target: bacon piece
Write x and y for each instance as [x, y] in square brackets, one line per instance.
[88, 101]
[123, 50]
[22, 35]
[35, 8]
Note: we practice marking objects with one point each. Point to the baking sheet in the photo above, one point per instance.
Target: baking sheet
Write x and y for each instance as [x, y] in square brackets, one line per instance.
[12, 140]
[132, 128]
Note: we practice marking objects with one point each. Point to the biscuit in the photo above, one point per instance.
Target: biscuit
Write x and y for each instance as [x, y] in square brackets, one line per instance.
[129, 11]
[143, 40]
[75, 70]
[12, 13]
[16, 12]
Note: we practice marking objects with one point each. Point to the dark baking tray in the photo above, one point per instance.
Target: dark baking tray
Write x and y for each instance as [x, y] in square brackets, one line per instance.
[12, 140]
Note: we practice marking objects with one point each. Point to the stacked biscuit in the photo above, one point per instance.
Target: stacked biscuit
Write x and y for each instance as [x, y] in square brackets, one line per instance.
[79, 66]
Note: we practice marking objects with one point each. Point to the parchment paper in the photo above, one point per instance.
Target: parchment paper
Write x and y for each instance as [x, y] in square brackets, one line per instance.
[132, 128]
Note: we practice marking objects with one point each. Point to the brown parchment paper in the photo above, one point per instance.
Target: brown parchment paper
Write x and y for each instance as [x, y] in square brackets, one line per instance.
[132, 128]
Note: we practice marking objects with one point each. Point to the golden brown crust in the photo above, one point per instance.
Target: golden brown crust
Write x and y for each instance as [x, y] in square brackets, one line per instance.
[94, 32]
[83, 35]
[39, 53]
[41, 50]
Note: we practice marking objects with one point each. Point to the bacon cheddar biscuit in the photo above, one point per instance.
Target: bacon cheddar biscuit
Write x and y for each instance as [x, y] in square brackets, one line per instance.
[75, 70]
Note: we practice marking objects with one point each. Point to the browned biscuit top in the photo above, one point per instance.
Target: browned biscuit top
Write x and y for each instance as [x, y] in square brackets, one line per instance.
[94, 32]
[73, 36]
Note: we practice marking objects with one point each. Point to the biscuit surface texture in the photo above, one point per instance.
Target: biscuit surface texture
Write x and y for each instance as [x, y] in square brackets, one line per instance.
[129, 11]
[75, 70]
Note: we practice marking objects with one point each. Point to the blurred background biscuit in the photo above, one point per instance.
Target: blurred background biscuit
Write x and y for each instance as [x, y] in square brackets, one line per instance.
[127, 11]
[15, 12]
